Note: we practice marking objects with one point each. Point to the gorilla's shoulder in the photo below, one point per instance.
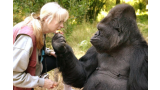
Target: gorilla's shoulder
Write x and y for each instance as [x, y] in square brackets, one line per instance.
[91, 49]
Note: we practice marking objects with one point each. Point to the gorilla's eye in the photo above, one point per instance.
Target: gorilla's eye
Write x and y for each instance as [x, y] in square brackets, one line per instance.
[97, 33]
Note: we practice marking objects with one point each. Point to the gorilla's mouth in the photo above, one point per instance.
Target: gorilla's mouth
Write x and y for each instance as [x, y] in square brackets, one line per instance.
[95, 40]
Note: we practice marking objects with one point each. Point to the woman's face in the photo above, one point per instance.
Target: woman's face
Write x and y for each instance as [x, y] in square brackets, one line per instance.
[52, 26]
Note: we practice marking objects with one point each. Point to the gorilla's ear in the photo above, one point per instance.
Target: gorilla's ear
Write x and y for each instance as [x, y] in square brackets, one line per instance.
[118, 29]
[116, 25]
[129, 12]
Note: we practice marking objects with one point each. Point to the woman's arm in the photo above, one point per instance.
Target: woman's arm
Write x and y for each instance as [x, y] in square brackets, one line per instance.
[22, 50]
[50, 52]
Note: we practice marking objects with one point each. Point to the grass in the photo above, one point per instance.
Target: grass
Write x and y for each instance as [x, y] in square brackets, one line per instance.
[79, 39]
[142, 22]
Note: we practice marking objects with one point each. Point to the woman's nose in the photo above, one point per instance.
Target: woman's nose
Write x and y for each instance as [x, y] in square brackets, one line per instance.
[61, 25]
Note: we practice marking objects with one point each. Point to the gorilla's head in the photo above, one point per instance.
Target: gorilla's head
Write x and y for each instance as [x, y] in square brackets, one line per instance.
[116, 29]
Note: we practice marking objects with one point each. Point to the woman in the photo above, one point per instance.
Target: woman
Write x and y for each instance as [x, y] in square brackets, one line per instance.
[28, 40]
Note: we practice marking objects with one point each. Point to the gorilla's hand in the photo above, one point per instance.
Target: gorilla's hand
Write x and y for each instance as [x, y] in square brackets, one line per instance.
[59, 43]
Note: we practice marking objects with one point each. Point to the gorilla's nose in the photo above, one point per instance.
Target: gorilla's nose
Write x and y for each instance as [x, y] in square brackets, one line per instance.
[97, 33]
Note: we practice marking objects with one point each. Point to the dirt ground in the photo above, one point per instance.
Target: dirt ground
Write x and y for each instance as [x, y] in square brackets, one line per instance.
[55, 75]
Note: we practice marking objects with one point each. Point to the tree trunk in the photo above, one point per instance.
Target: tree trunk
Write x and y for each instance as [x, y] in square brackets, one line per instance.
[117, 2]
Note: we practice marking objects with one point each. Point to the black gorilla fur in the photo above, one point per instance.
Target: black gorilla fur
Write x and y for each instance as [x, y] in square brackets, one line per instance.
[118, 59]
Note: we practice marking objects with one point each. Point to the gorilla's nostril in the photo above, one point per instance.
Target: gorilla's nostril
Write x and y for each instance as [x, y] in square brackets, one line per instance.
[97, 33]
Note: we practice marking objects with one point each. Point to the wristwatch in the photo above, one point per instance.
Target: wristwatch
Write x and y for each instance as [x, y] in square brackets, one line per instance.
[50, 53]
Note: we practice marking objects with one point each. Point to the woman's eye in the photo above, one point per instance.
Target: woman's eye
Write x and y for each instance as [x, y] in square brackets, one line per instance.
[60, 21]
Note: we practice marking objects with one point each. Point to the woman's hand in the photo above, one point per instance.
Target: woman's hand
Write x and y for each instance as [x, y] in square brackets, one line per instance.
[49, 84]
[53, 54]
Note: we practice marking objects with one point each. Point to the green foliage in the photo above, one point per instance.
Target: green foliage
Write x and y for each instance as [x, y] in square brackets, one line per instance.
[142, 22]
[79, 39]
[93, 9]
[137, 4]
[82, 22]
[23, 8]
[77, 11]
[84, 45]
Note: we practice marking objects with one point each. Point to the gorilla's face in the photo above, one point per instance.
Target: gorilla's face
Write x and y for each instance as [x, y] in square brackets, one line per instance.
[114, 29]
[107, 35]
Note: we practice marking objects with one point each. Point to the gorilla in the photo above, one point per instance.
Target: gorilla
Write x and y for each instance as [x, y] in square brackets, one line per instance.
[118, 59]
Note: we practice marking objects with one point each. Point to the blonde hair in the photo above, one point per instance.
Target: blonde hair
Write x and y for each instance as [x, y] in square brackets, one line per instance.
[49, 11]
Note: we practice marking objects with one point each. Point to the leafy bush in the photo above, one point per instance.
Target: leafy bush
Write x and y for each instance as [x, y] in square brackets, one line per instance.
[78, 30]
[142, 22]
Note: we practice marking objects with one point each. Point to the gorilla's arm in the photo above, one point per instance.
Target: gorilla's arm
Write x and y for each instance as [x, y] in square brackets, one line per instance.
[138, 76]
[75, 72]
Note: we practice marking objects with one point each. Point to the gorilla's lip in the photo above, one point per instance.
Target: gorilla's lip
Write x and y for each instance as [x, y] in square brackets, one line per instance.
[95, 41]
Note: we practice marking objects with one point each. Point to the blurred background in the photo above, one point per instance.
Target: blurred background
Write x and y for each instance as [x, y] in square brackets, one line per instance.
[84, 16]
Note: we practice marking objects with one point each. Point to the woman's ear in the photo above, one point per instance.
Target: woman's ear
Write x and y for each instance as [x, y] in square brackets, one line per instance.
[44, 18]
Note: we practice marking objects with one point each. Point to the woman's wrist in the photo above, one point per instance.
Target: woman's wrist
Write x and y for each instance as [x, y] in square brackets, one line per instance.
[50, 52]
[53, 53]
